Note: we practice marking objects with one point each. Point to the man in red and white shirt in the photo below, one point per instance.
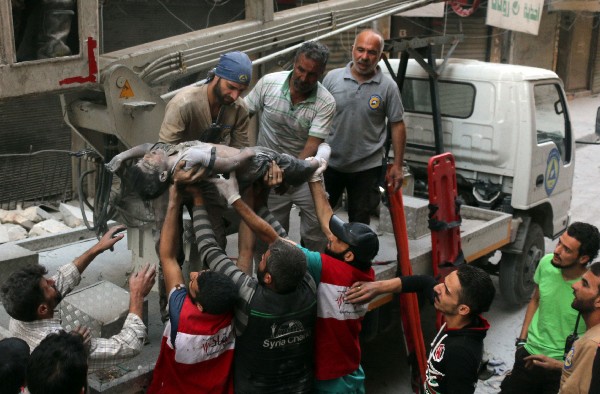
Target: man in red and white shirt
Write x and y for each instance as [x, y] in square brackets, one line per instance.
[196, 354]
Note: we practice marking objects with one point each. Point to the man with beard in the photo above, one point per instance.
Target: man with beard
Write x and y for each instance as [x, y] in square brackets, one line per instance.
[347, 259]
[549, 318]
[213, 112]
[365, 98]
[31, 299]
[577, 369]
[274, 318]
[457, 349]
[296, 114]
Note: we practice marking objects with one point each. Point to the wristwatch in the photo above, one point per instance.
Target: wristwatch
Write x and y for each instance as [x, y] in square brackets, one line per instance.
[520, 342]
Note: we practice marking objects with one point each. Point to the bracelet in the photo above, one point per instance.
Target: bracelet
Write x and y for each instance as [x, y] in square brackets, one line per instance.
[520, 342]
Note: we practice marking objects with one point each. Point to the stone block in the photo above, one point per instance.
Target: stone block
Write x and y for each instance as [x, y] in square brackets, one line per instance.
[14, 232]
[3, 213]
[50, 226]
[15, 217]
[13, 257]
[35, 214]
[73, 217]
[4, 233]
[415, 212]
[102, 307]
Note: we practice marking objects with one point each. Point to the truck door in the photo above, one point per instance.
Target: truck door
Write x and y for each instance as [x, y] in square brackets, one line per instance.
[553, 153]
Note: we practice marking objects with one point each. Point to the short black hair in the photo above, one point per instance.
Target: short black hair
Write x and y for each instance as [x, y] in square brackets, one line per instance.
[287, 266]
[477, 288]
[14, 355]
[145, 182]
[216, 293]
[21, 292]
[58, 365]
[588, 236]
[595, 269]
[314, 50]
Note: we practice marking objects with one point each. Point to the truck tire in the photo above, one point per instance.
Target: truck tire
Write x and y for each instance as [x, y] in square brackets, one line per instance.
[517, 270]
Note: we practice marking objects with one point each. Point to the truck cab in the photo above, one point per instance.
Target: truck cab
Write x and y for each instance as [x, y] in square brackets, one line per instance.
[509, 130]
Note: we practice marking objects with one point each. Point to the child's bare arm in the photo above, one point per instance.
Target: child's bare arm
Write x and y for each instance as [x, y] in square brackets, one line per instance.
[137, 151]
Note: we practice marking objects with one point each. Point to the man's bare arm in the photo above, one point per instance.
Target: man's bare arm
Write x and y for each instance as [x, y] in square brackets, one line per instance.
[310, 148]
[396, 174]
[169, 241]
[322, 207]
[261, 228]
[106, 242]
[539, 360]
[532, 307]
[363, 292]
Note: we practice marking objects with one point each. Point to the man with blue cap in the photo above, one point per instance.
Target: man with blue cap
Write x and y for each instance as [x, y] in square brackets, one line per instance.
[212, 112]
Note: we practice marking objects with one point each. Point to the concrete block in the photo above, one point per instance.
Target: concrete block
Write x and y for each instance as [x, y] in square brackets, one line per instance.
[14, 232]
[15, 217]
[13, 257]
[102, 307]
[35, 214]
[73, 217]
[50, 241]
[50, 226]
[415, 212]
[4, 233]
[3, 213]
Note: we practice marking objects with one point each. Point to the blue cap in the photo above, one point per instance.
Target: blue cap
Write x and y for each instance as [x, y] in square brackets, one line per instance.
[235, 67]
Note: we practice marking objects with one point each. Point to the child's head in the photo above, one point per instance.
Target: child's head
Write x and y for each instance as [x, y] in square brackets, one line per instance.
[213, 291]
[149, 176]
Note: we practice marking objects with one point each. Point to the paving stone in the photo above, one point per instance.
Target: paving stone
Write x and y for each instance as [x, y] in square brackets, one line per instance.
[35, 214]
[50, 226]
[73, 217]
[4, 233]
[415, 212]
[14, 231]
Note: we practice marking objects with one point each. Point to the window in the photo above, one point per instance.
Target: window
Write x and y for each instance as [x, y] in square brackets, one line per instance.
[550, 118]
[456, 99]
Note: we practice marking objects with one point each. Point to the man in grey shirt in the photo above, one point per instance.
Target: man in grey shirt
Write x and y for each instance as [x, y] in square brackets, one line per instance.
[364, 98]
[295, 117]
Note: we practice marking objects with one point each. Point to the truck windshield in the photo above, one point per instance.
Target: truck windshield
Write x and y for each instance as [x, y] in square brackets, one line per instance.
[456, 99]
[550, 118]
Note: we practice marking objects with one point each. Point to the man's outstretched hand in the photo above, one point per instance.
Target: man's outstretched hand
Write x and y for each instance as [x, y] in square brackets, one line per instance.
[185, 177]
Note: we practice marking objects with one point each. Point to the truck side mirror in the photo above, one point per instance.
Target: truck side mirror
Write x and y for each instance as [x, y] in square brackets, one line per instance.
[558, 107]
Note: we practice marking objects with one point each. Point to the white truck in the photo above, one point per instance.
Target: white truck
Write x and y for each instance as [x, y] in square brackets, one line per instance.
[509, 130]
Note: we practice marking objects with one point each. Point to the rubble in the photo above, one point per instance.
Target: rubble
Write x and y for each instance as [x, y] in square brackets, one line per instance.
[19, 224]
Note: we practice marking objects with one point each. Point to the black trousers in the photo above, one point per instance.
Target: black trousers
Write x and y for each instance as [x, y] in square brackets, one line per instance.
[362, 188]
[535, 380]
